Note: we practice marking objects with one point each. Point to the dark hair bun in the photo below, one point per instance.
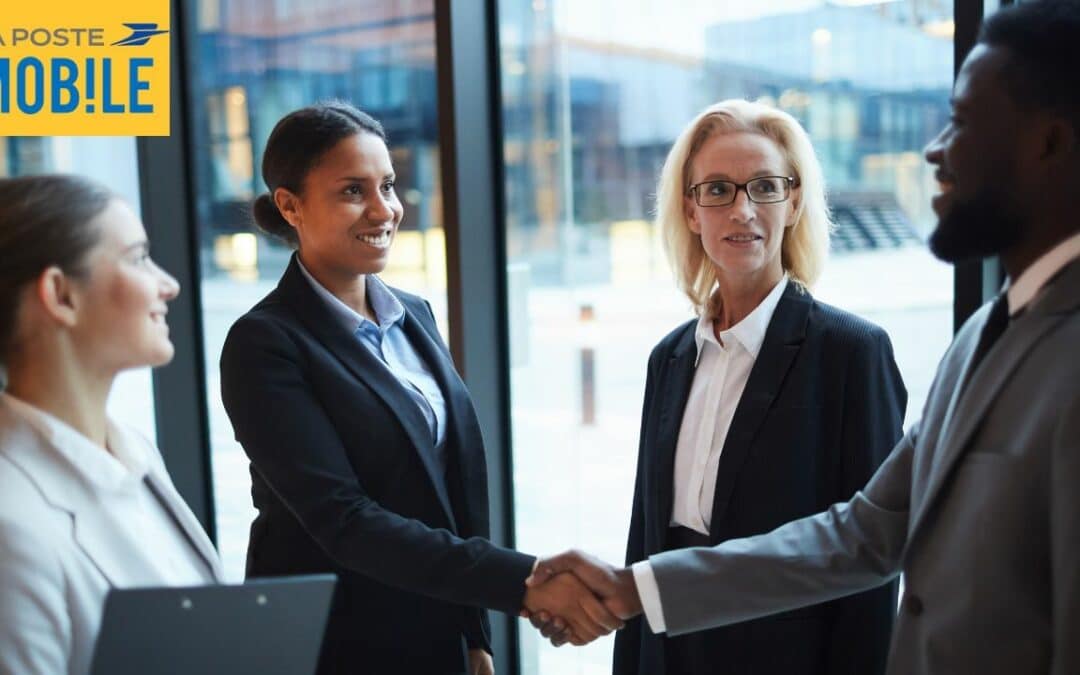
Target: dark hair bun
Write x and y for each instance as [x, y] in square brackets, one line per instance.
[269, 219]
[296, 144]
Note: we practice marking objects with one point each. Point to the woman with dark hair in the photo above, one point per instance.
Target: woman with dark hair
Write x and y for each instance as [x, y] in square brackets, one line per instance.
[366, 455]
[85, 503]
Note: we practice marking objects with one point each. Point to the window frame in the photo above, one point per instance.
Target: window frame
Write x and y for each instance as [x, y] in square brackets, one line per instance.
[471, 156]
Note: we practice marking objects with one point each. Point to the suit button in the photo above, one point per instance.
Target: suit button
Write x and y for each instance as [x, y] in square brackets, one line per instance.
[912, 604]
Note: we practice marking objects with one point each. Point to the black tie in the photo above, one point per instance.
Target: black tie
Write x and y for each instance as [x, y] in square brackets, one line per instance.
[996, 323]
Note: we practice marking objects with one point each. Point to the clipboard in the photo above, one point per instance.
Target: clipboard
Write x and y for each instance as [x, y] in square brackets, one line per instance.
[268, 626]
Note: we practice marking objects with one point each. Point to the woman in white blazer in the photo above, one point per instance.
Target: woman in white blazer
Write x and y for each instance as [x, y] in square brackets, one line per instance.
[85, 503]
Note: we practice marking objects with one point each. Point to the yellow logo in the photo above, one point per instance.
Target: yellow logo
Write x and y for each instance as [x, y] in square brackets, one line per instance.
[76, 68]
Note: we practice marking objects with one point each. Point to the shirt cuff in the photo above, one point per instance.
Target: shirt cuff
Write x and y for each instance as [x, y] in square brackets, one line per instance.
[649, 593]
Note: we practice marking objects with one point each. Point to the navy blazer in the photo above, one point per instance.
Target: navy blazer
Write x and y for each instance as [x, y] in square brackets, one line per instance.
[822, 408]
[345, 481]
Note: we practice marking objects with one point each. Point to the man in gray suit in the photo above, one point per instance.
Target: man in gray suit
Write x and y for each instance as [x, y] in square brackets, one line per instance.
[979, 504]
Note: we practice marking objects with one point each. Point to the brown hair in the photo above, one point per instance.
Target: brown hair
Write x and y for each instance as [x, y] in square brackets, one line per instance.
[45, 221]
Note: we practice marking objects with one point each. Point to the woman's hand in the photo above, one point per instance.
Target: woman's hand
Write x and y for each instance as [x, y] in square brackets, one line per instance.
[564, 596]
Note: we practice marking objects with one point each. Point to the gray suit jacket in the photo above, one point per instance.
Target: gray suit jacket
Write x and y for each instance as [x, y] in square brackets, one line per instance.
[978, 506]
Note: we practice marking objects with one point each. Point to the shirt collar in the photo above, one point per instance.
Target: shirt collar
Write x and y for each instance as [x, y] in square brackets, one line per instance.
[388, 309]
[750, 332]
[1028, 284]
[124, 465]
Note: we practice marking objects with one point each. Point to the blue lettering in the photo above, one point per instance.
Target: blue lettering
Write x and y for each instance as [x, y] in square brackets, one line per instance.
[22, 79]
[135, 85]
[107, 106]
[89, 77]
[62, 83]
[5, 85]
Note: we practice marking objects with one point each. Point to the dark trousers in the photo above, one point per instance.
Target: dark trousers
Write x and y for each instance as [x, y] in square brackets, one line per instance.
[687, 654]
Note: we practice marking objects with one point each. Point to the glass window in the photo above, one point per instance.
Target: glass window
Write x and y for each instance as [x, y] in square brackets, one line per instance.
[112, 161]
[594, 94]
[255, 62]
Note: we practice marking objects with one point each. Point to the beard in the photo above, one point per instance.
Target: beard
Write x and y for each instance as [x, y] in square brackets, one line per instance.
[982, 226]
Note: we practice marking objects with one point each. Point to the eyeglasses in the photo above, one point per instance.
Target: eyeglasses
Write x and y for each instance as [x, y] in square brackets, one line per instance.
[763, 190]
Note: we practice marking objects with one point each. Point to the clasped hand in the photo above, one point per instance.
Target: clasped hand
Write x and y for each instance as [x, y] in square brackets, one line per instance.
[574, 597]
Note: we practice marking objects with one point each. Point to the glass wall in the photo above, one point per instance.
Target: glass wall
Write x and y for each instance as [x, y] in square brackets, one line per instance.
[255, 62]
[594, 93]
[111, 160]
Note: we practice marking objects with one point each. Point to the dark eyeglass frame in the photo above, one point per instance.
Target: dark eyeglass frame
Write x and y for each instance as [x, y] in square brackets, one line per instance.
[789, 181]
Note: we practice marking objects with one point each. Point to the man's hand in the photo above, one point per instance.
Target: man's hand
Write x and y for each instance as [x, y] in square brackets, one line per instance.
[566, 597]
[615, 587]
[480, 663]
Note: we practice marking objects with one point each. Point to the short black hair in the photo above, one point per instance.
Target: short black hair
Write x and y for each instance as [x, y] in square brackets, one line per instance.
[1042, 38]
[297, 143]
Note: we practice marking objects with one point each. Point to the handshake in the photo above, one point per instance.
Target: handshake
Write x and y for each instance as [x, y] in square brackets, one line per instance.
[576, 598]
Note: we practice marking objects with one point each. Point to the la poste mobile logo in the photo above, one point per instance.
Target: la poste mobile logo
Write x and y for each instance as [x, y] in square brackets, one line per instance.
[75, 68]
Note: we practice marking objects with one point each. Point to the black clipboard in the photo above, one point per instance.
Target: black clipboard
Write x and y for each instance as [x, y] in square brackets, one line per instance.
[268, 626]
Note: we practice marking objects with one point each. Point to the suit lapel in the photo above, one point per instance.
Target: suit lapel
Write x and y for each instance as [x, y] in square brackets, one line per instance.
[93, 527]
[121, 565]
[458, 408]
[318, 320]
[783, 339]
[967, 408]
[157, 479]
[167, 496]
[673, 393]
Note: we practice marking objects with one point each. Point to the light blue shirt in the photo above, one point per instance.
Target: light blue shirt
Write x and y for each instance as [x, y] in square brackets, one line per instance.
[388, 342]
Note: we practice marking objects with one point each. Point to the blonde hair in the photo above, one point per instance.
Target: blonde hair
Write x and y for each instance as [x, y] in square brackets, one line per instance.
[805, 245]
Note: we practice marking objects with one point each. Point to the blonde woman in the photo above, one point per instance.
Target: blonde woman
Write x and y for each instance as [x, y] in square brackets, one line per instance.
[767, 406]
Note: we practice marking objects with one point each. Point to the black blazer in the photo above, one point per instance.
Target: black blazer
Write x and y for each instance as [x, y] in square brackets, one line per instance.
[822, 408]
[345, 481]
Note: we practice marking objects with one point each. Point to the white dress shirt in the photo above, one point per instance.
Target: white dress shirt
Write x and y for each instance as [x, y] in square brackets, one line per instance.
[1020, 294]
[1031, 281]
[722, 369]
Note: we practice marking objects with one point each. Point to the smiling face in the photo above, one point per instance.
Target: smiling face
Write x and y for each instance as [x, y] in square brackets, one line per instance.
[743, 239]
[348, 211]
[122, 301]
[978, 164]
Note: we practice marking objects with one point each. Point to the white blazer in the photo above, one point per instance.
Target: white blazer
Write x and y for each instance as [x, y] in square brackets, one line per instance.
[66, 539]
